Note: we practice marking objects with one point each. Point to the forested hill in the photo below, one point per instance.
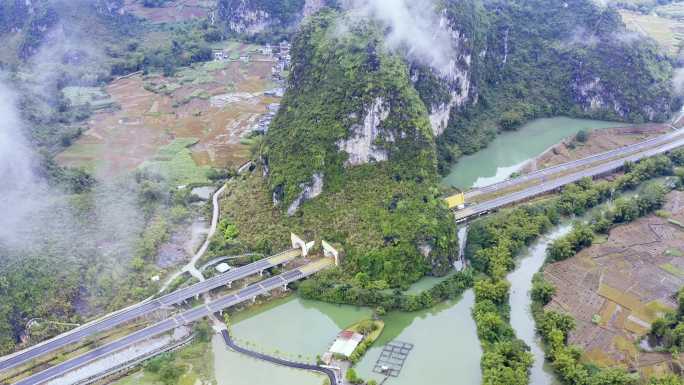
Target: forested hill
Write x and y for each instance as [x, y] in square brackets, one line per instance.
[267, 19]
[26, 25]
[352, 128]
[363, 129]
[521, 59]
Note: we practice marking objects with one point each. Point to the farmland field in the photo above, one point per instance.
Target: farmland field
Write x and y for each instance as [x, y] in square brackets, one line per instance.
[203, 113]
[673, 10]
[616, 289]
[667, 31]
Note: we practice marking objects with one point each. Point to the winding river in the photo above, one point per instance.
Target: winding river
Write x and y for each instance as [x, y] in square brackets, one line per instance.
[446, 348]
[529, 263]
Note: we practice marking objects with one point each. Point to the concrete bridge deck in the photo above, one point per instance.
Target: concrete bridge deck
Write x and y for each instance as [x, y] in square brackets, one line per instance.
[186, 317]
[549, 171]
[146, 307]
[671, 142]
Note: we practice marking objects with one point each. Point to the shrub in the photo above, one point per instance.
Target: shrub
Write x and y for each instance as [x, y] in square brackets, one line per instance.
[582, 136]
[542, 291]
[352, 377]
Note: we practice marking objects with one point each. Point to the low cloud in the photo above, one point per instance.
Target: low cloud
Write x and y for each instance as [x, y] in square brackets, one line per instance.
[412, 27]
[678, 81]
[628, 37]
[17, 163]
[580, 37]
[37, 215]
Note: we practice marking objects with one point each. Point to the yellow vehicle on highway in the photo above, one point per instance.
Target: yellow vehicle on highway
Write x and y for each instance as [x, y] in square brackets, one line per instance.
[456, 201]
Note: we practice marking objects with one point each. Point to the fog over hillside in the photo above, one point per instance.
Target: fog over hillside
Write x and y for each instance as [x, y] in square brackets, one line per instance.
[20, 189]
[38, 215]
[412, 26]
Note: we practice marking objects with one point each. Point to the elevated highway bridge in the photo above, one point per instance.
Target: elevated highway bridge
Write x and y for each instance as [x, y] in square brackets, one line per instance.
[248, 293]
[147, 307]
[549, 179]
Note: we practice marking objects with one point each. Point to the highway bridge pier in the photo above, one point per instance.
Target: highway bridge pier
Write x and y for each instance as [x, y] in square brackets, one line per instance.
[248, 293]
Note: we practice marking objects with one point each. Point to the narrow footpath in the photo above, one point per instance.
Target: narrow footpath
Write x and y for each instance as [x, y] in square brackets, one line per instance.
[191, 266]
[278, 361]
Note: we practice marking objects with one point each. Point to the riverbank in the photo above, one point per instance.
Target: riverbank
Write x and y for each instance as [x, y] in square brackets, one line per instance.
[528, 264]
[596, 141]
[511, 150]
[616, 288]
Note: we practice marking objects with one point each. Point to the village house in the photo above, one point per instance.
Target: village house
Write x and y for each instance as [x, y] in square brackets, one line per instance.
[219, 55]
[346, 343]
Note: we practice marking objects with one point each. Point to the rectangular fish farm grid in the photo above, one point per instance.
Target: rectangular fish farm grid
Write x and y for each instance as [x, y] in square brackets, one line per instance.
[392, 358]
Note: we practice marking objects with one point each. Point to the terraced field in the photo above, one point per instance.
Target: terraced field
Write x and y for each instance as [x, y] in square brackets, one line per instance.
[618, 287]
[196, 119]
[673, 10]
[668, 31]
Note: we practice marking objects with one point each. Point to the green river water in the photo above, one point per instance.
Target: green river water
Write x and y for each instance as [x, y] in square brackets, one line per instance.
[446, 348]
[522, 322]
[509, 151]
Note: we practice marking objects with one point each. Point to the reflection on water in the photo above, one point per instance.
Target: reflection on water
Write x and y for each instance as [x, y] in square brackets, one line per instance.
[444, 336]
[521, 317]
[297, 326]
[233, 368]
[508, 152]
[290, 327]
[445, 342]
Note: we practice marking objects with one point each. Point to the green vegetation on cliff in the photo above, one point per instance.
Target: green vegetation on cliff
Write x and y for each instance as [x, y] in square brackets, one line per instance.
[529, 59]
[348, 89]
[384, 210]
[336, 85]
[92, 251]
[282, 12]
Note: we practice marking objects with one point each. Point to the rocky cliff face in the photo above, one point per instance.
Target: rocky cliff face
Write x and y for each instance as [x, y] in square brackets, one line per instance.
[243, 16]
[454, 87]
[257, 16]
[600, 84]
[596, 97]
[456, 78]
[351, 151]
[592, 95]
[309, 191]
[362, 145]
